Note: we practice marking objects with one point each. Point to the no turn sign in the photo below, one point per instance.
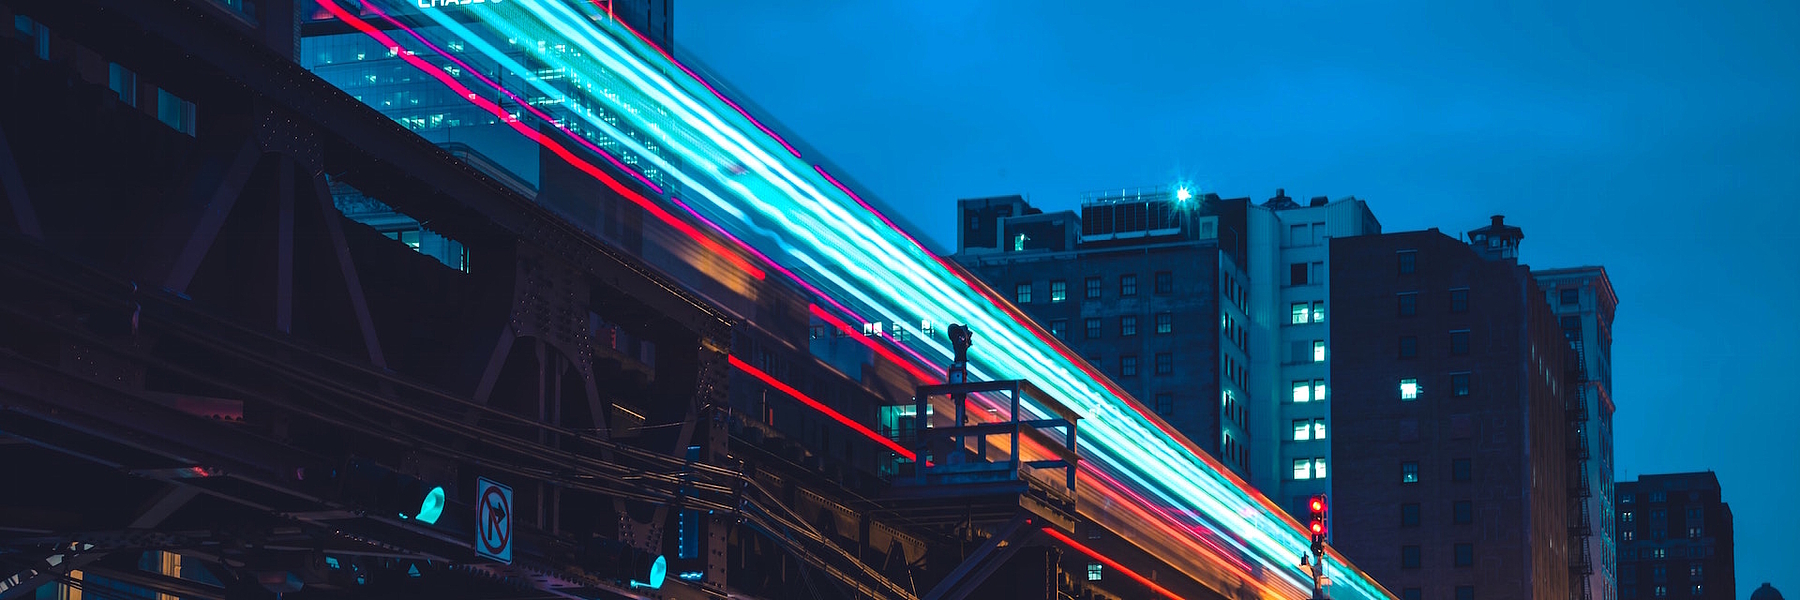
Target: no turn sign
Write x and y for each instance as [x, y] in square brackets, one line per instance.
[493, 520]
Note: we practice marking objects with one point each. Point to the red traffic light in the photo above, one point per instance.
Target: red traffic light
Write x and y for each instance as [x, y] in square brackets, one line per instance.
[1318, 504]
[1318, 527]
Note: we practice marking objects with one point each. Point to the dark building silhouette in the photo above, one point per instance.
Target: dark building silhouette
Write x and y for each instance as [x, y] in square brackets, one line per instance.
[1675, 538]
[1448, 410]
[1584, 302]
[1148, 285]
[1766, 592]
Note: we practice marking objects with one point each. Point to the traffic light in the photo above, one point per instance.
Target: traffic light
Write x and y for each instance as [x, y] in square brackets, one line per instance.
[1317, 526]
[624, 563]
[391, 493]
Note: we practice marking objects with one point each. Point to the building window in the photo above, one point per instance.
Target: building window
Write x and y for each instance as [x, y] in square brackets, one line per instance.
[1662, 591]
[1165, 282]
[1165, 323]
[1465, 592]
[1059, 291]
[1412, 594]
[1408, 261]
[1128, 366]
[1128, 325]
[1319, 428]
[1165, 404]
[1693, 533]
[1659, 497]
[1697, 590]
[1409, 514]
[122, 81]
[1462, 512]
[815, 332]
[1409, 557]
[1409, 304]
[1409, 472]
[1628, 535]
[1626, 517]
[1319, 468]
[1465, 555]
[1092, 288]
[1461, 469]
[1409, 389]
[1128, 285]
[1165, 363]
[1022, 294]
[175, 112]
[1094, 572]
[1297, 274]
[1409, 346]
[1302, 430]
[1318, 311]
[1459, 300]
[1318, 350]
[1571, 296]
[1694, 571]
[1059, 328]
[1459, 384]
[1693, 514]
[1094, 359]
[1459, 342]
[1318, 389]
[1302, 314]
[1302, 468]
[1302, 391]
[1093, 328]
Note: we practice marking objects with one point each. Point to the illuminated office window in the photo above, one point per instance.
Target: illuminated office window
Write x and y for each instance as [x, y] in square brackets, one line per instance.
[1318, 390]
[1093, 571]
[1302, 468]
[1302, 313]
[1319, 468]
[1409, 389]
[1319, 429]
[1302, 430]
[1318, 350]
[1165, 322]
[1318, 311]
[1059, 291]
[1409, 472]
[1302, 391]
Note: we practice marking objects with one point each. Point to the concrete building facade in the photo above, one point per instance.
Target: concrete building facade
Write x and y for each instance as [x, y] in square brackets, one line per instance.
[1290, 341]
[1676, 538]
[1448, 417]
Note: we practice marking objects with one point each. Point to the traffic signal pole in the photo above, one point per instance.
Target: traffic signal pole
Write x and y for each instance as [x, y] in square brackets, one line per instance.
[1318, 528]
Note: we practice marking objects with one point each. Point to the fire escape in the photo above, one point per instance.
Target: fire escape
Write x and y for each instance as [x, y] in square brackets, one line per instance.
[1581, 523]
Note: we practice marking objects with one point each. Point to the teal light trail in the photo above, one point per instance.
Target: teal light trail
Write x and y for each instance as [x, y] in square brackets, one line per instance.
[741, 179]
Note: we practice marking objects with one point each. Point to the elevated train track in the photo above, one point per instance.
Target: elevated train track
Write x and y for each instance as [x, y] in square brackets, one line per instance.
[192, 338]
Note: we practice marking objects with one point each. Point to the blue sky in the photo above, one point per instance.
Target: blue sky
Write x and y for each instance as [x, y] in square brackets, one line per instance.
[1660, 139]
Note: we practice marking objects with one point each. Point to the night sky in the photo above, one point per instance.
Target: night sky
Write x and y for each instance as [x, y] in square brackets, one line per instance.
[1660, 139]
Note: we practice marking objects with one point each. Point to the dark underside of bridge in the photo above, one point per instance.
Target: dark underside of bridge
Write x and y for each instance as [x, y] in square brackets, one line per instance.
[214, 385]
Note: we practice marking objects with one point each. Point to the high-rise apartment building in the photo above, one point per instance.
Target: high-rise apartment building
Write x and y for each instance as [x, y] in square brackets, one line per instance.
[1148, 285]
[1675, 538]
[1584, 302]
[1290, 342]
[1448, 417]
